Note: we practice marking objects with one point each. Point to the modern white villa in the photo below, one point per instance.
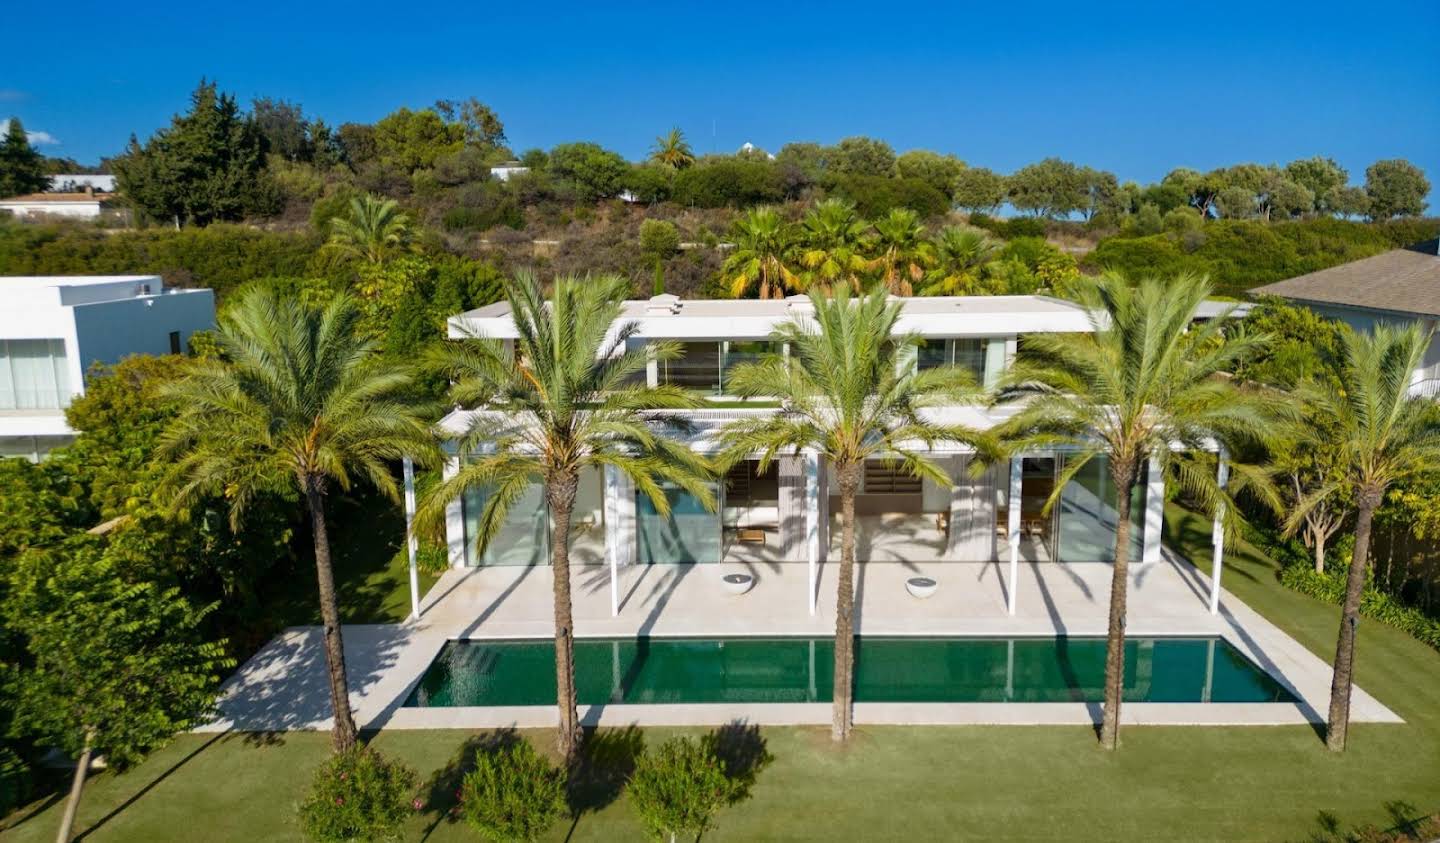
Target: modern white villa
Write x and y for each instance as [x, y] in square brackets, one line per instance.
[785, 514]
[54, 328]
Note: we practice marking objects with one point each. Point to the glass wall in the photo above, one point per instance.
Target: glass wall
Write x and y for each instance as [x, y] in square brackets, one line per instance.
[33, 375]
[705, 366]
[691, 533]
[1088, 517]
[523, 537]
[968, 353]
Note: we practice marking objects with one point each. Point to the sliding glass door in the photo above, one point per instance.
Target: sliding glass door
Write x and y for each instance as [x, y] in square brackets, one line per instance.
[690, 533]
[1088, 518]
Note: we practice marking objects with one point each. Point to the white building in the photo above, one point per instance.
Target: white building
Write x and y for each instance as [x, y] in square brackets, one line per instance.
[503, 172]
[787, 513]
[54, 328]
[85, 205]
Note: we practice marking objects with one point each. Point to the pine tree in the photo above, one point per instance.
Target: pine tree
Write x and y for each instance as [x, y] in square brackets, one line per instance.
[22, 169]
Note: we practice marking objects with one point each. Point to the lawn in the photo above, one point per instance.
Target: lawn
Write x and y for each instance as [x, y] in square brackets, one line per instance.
[1172, 783]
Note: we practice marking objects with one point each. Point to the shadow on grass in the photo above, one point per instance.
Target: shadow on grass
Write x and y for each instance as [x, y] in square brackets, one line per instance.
[1407, 825]
[607, 758]
[441, 792]
[742, 753]
[151, 785]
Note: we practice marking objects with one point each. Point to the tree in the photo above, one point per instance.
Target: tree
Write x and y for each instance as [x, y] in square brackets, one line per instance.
[672, 150]
[978, 189]
[1099, 189]
[374, 230]
[1236, 202]
[1145, 384]
[1285, 199]
[1386, 436]
[860, 156]
[678, 787]
[207, 166]
[761, 258]
[845, 395]
[563, 403]
[480, 125]
[659, 240]
[938, 171]
[408, 140]
[118, 667]
[298, 400]
[1321, 176]
[719, 181]
[903, 252]
[284, 128]
[1049, 188]
[1201, 189]
[960, 255]
[1349, 202]
[1396, 188]
[833, 243]
[22, 168]
[1304, 348]
[595, 171]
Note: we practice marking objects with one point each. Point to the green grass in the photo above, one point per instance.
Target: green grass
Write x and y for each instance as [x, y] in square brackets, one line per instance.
[1011, 783]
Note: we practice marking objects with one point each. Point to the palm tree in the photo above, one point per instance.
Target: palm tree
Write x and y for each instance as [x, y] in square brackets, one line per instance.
[833, 245]
[297, 400]
[904, 252]
[846, 396]
[1145, 384]
[563, 402]
[672, 150]
[1382, 435]
[960, 255]
[763, 243]
[374, 230]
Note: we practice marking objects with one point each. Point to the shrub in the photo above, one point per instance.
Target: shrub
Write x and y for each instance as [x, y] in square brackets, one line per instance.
[728, 181]
[358, 795]
[15, 780]
[513, 794]
[659, 239]
[875, 196]
[678, 787]
[1374, 604]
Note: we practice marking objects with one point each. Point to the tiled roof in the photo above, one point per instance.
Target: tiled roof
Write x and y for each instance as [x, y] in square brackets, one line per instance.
[1401, 281]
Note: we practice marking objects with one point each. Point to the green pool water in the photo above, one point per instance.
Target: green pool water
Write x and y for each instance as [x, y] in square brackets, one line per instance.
[771, 670]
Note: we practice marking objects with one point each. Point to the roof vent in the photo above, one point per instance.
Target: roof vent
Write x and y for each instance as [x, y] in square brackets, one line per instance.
[663, 305]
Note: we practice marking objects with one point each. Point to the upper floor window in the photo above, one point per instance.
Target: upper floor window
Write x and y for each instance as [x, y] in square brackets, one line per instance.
[33, 375]
[706, 367]
[983, 357]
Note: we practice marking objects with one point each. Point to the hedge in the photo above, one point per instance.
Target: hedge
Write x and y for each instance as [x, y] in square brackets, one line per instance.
[1374, 604]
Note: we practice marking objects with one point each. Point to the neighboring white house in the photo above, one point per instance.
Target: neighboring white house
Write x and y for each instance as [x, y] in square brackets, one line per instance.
[1396, 287]
[785, 513]
[81, 205]
[53, 328]
[503, 172]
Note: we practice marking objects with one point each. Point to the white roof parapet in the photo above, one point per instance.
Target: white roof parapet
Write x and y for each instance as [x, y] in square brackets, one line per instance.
[670, 317]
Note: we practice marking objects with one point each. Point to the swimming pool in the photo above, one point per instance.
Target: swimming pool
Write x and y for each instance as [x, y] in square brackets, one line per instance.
[799, 670]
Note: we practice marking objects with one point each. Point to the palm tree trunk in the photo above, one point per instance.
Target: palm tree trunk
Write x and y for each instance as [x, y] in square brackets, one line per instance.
[1123, 473]
[1344, 676]
[77, 786]
[842, 697]
[560, 491]
[343, 733]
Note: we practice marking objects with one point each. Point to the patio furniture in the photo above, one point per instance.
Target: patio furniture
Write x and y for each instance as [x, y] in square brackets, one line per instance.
[921, 588]
[738, 584]
[750, 535]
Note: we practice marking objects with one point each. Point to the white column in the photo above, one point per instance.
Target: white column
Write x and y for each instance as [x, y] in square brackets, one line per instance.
[612, 535]
[1154, 524]
[813, 513]
[410, 540]
[1017, 470]
[1217, 537]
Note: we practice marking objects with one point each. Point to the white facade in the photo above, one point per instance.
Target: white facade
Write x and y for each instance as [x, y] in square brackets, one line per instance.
[54, 328]
[787, 514]
[503, 172]
[69, 205]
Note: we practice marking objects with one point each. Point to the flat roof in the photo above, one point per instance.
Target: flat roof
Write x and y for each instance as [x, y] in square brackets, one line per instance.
[670, 316]
[37, 282]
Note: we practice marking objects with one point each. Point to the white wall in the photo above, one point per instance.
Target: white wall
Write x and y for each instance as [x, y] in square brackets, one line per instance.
[71, 210]
[109, 331]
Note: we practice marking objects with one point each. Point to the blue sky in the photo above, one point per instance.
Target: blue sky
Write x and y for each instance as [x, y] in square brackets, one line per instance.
[1136, 89]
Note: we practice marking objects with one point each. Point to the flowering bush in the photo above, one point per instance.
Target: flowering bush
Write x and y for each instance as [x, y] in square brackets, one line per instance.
[358, 795]
[513, 794]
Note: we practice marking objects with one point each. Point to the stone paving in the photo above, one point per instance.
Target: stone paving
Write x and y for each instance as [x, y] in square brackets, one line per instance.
[283, 686]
